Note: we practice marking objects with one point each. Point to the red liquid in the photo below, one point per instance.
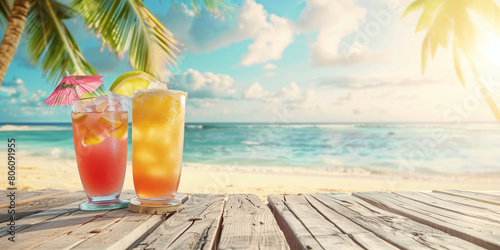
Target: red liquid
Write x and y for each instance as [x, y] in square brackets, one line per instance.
[101, 151]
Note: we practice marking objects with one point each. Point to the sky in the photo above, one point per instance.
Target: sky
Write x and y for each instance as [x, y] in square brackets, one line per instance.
[284, 61]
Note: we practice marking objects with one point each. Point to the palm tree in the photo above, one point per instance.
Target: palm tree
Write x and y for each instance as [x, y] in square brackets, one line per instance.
[125, 26]
[451, 21]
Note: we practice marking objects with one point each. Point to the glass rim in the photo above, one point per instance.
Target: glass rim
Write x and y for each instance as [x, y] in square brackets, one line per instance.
[170, 91]
[101, 97]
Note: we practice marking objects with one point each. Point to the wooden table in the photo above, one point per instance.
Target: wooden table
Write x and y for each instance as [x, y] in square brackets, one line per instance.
[369, 220]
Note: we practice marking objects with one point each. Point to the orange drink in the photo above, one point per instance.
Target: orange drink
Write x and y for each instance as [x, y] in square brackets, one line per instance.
[158, 117]
[100, 133]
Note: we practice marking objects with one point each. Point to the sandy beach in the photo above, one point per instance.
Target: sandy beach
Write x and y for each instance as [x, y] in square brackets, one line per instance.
[35, 173]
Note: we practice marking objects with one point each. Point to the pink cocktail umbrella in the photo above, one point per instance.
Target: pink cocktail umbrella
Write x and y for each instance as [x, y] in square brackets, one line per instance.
[72, 87]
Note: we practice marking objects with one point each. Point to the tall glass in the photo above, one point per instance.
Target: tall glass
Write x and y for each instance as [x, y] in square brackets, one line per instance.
[100, 133]
[158, 117]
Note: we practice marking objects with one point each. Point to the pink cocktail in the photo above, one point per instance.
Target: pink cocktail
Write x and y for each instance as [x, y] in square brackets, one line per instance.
[100, 133]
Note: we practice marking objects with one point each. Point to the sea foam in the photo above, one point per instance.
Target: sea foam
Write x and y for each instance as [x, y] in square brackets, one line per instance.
[9, 127]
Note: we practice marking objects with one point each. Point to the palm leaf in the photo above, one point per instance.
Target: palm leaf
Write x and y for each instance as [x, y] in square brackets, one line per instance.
[416, 5]
[441, 30]
[218, 7]
[428, 15]
[486, 95]
[445, 17]
[488, 10]
[50, 44]
[470, 36]
[4, 13]
[128, 26]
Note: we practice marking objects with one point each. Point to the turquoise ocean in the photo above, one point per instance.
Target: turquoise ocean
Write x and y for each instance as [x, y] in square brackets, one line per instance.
[442, 148]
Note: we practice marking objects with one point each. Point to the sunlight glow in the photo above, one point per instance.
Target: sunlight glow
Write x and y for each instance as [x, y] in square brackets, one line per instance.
[491, 52]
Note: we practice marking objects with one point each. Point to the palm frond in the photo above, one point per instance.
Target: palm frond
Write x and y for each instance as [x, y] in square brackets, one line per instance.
[488, 10]
[470, 36]
[50, 44]
[445, 18]
[484, 91]
[428, 15]
[5, 7]
[441, 31]
[128, 26]
[416, 5]
[218, 7]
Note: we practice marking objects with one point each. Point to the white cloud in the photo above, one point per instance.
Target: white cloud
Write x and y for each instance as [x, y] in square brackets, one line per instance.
[334, 23]
[322, 13]
[334, 20]
[256, 92]
[270, 74]
[204, 85]
[26, 102]
[376, 82]
[270, 42]
[270, 34]
[14, 88]
[9, 90]
[355, 53]
[203, 103]
[269, 66]
[291, 94]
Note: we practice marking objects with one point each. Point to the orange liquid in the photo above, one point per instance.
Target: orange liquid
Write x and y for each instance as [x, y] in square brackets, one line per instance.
[101, 165]
[157, 142]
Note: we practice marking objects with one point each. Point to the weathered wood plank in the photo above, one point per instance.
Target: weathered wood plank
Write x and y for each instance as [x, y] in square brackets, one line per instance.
[42, 227]
[36, 206]
[324, 232]
[363, 237]
[319, 226]
[466, 201]
[26, 197]
[370, 241]
[477, 231]
[195, 226]
[397, 230]
[116, 229]
[478, 196]
[455, 207]
[247, 223]
[295, 233]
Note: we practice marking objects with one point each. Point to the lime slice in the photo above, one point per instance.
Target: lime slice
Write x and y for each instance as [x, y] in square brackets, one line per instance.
[121, 133]
[110, 120]
[91, 137]
[78, 117]
[129, 82]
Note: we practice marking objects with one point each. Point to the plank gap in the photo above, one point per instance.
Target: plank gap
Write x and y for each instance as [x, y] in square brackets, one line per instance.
[302, 222]
[148, 232]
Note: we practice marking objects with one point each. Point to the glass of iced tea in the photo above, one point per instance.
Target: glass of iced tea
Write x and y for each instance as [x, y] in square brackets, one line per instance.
[158, 117]
[100, 133]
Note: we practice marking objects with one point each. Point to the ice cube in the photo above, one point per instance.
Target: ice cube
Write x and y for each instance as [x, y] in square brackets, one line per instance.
[89, 105]
[144, 156]
[78, 107]
[102, 106]
[110, 121]
[113, 105]
[157, 85]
